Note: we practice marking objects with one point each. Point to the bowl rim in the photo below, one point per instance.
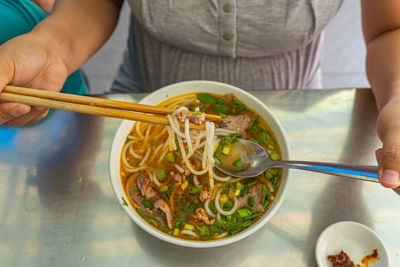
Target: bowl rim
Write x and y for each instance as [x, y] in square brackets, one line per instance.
[192, 243]
[318, 246]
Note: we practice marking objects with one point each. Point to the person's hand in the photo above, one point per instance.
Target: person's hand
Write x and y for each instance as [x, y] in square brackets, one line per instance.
[29, 61]
[389, 156]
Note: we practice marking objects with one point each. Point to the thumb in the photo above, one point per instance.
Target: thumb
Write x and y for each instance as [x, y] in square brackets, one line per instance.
[389, 157]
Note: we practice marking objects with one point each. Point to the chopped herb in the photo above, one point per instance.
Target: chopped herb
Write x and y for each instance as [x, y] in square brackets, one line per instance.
[237, 163]
[140, 212]
[217, 153]
[147, 204]
[153, 140]
[274, 156]
[275, 181]
[203, 230]
[199, 112]
[203, 109]
[215, 229]
[228, 205]
[217, 161]
[253, 140]
[226, 150]
[251, 183]
[191, 108]
[205, 98]
[186, 206]
[227, 140]
[254, 122]
[176, 232]
[177, 153]
[170, 157]
[165, 196]
[223, 115]
[196, 189]
[206, 237]
[239, 185]
[265, 203]
[252, 130]
[221, 108]
[234, 141]
[165, 229]
[212, 207]
[161, 175]
[180, 223]
[219, 101]
[260, 138]
[250, 201]
[243, 191]
[124, 202]
[243, 213]
[170, 189]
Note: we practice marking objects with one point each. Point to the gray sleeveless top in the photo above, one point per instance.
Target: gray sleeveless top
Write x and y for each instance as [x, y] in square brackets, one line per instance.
[252, 44]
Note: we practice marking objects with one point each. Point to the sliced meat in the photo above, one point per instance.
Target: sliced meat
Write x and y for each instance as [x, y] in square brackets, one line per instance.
[193, 117]
[229, 98]
[204, 195]
[163, 205]
[201, 215]
[255, 191]
[237, 123]
[145, 186]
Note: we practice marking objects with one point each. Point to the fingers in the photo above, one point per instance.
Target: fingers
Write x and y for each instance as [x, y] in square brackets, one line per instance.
[15, 114]
[389, 157]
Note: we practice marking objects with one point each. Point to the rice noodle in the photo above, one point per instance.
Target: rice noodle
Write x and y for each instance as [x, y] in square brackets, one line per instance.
[195, 180]
[124, 159]
[187, 136]
[221, 179]
[188, 232]
[222, 235]
[145, 157]
[138, 130]
[161, 133]
[163, 155]
[220, 210]
[179, 110]
[132, 170]
[154, 154]
[153, 177]
[207, 208]
[173, 126]
[179, 168]
[147, 135]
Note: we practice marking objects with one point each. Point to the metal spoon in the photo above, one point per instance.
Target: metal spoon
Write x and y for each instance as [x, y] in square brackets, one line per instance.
[255, 160]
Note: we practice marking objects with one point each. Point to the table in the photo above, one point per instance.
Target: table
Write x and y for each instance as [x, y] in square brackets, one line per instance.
[57, 207]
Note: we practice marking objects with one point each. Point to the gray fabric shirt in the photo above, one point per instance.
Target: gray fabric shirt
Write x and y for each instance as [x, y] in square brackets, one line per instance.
[252, 44]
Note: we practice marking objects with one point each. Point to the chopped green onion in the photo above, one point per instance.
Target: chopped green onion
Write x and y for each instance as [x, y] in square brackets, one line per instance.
[140, 212]
[206, 237]
[219, 101]
[153, 140]
[212, 207]
[250, 201]
[180, 223]
[163, 188]
[170, 157]
[199, 112]
[170, 189]
[274, 156]
[275, 181]
[221, 108]
[186, 206]
[255, 215]
[260, 138]
[203, 230]
[244, 213]
[191, 108]
[176, 232]
[237, 163]
[177, 153]
[203, 108]
[188, 227]
[124, 202]
[265, 203]
[165, 196]
[223, 115]
[165, 229]
[254, 122]
[215, 229]
[253, 140]
[272, 147]
[217, 161]
[251, 183]
[243, 191]
[237, 192]
[147, 204]
[228, 205]
[226, 150]
[205, 98]
[161, 175]
[196, 189]
[239, 185]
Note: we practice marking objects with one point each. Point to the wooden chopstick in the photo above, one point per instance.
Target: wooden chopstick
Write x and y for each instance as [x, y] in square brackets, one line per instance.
[95, 101]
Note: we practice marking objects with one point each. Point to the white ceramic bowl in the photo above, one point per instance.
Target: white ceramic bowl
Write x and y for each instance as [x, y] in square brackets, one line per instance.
[355, 239]
[183, 88]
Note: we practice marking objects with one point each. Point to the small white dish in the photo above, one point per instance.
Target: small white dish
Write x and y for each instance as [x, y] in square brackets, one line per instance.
[355, 239]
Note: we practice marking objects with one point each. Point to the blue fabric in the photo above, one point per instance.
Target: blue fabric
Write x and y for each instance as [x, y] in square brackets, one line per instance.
[18, 17]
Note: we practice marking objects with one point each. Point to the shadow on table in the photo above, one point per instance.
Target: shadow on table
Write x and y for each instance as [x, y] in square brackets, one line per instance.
[167, 254]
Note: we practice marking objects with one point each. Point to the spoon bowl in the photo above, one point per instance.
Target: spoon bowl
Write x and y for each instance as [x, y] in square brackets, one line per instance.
[248, 159]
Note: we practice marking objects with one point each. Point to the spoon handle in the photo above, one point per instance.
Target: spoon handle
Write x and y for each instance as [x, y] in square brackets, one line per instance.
[360, 172]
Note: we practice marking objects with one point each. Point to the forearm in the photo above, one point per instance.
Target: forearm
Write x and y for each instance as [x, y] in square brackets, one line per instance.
[383, 66]
[76, 29]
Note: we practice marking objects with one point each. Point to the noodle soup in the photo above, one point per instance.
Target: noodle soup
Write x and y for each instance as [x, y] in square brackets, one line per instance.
[169, 177]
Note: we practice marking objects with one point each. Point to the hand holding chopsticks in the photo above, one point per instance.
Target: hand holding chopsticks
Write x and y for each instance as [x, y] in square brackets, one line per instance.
[91, 105]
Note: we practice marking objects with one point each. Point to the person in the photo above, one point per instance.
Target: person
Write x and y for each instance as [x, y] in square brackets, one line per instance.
[260, 44]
